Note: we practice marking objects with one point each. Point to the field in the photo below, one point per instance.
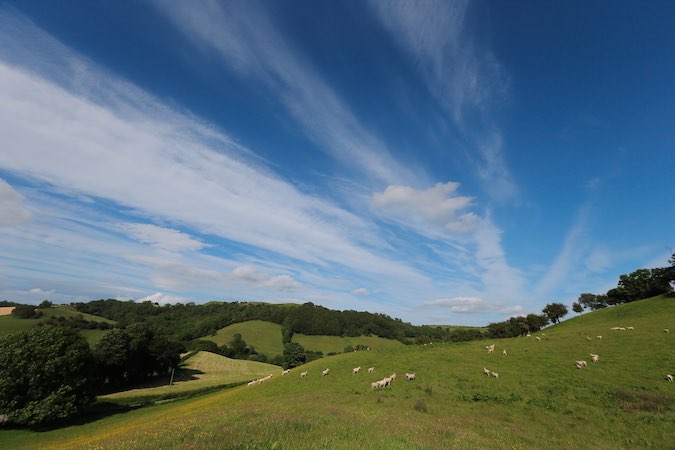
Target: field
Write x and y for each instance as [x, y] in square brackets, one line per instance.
[200, 371]
[6, 310]
[540, 399]
[264, 336]
[337, 344]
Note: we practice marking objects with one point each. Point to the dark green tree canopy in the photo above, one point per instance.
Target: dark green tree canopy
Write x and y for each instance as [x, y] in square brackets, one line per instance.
[44, 375]
[555, 311]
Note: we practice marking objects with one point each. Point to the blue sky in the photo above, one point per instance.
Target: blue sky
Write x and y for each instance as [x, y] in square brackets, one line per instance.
[441, 162]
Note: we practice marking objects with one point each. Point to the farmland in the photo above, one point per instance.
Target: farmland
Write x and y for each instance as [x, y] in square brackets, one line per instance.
[540, 400]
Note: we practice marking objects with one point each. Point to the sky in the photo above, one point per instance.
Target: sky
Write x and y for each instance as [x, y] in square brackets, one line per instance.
[440, 162]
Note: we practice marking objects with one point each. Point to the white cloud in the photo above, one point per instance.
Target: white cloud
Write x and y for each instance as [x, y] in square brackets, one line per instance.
[360, 291]
[12, 208]
[164, 299]
[281, 283]
[162, 238]
[257, 278]
[473, 305]
[438, 207]
[40, 293]
[248, 41]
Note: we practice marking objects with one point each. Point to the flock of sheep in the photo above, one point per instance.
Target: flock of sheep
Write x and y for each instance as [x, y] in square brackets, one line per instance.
[386, 381]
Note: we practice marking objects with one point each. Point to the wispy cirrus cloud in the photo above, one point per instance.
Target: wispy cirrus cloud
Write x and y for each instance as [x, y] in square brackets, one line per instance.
[474, 305]
[465, 79]
[247, 40]
[12, 208]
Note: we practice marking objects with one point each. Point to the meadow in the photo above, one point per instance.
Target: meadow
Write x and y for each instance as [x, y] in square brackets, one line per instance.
[540, 400]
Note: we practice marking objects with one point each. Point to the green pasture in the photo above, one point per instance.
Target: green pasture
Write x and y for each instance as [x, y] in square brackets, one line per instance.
[202, 370]
[337, 344]
[10, 324]
[540, 400]
[69, 311]
[264, 336]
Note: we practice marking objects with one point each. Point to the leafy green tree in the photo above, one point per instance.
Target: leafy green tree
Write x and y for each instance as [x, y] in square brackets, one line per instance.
[536, 322]
[113, 356]
[293, 355]
[26, 312]
[577, 307]
[45, 304]
[45, 375]
[555, 311]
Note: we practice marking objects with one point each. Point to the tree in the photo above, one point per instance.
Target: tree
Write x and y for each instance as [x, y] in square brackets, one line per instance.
[45, 304]
[26, 312]
[554, 311]
[293, 355]
[44, 375]
[577, 307]
[536, 322]
[112, 354]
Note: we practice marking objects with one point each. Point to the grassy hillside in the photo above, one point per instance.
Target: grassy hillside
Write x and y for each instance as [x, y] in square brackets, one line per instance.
[10, 324]
[337, 344]
[200, 371]
[69, 311]
[264, 336]
[540, 399]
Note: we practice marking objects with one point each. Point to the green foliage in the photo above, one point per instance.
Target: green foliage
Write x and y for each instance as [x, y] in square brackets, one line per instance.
[555, 311]
[577, 307]
[45, 304]
[44, 375]
[293, 356]
[26, 312]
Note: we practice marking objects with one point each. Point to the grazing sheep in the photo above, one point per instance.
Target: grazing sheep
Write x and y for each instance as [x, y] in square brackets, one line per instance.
[392, 376]
[669, 378]
[538, 338]
[599, 338]
[356, 370]
[495, 375]
[594, 358]
[490, 348]
[666, 330]
[581, 364]
[486, 371]
[504, 352]
[615, 328]
[325, 372]
[374, 385]
[410, 376]
[371, 369]
[528, 334]
[285, 372]
[588, 338]
[630, 328]
[303, 374]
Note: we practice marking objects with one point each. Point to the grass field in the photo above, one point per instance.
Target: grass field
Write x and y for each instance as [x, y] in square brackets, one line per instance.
[200, 371]
[11, 324]
[264, 336]
[69, 311]
[540, 399]
[337, 344]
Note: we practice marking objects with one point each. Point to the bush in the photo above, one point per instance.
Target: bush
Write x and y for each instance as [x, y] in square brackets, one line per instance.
[44, 375]
[26, 312]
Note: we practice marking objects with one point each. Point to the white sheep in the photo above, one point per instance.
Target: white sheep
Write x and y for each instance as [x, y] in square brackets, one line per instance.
[599, 338]
[615, 328]
[325, 372]
[588, 338]
[410, 376]
[486, 371]
[495, 375]
[504, 352]
[581, 364]
[669, 378]
[666, 330]
[374, 385]
[594, 357]
[356, 370]
[285, 372]
[303, 374]
[630, 328]
[371, 369]
[538, 338]
[490, 348]
[392, 376]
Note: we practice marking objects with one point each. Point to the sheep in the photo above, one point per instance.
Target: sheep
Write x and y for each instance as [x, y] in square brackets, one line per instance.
[410, 376]
[666, 330]
[669, 378]
[594, 357]
[538, 338]
[356, 370]
[486, 371]
[495, 375]
[374, 385]
[599, 338]
[504, 352]
[490, 348]
[371, 369]
[392, 376]
[622, 329]
[251, 383]
[325, 372]
[303, 374]
[528, 334]
[285, 372]
[630, 328]
[615, 328]
[581, 364]
[588, 338]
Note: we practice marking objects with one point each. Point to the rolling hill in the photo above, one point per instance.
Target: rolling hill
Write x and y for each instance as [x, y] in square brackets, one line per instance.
[540, 399]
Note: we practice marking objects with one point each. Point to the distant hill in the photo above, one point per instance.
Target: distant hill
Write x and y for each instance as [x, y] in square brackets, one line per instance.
[540, 400]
